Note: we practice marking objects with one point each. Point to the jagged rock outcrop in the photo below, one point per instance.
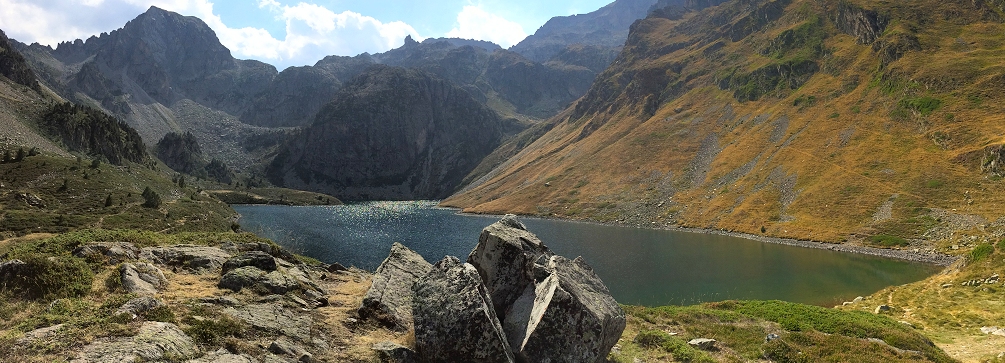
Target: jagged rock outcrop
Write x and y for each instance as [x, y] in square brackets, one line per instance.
[14, 67]
[390, 352]
[504, 256]
[514, 301]
[391, 134]
[389, 299]
[454, 317]
[865, 25]
[141, 278]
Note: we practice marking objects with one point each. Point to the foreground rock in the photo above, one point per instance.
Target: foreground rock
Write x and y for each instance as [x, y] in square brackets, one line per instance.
[389, 299]
[454, 317]
[505, 253]
[514, 301]
[568, 316]
[155, 342]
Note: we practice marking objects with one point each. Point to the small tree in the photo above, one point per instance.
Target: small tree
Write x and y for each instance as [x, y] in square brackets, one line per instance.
[95, 163]
[20, 154]
[7, 157]
[151, 198]
[108, 201]
[181, 182]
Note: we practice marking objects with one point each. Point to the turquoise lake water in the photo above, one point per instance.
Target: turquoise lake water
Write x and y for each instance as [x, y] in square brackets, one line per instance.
[639, 266]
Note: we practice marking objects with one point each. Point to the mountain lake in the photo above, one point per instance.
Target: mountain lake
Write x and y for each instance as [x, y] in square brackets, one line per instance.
[640, 266]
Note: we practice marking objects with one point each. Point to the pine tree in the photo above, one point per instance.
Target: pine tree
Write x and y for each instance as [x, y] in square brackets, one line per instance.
[108, 201]
[151, 198]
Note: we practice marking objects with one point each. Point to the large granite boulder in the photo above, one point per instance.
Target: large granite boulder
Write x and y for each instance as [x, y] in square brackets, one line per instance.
[142, 278]
[137, 306]
[389, 299]
[188, 257]
[454, 317]
[568, 316]
[504, 258]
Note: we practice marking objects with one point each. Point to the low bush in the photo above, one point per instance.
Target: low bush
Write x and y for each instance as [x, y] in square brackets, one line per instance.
[49, 278]
[888, 241]
[980, 252]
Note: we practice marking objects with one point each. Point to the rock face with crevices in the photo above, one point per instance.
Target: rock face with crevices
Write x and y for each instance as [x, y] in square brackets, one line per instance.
[504, 252]
[568, 316]
[389, 299]
[454, 317]
[111, 252]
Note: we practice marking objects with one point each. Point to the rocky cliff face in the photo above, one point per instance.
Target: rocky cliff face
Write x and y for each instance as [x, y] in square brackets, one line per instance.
[13, 65]
[391, 133]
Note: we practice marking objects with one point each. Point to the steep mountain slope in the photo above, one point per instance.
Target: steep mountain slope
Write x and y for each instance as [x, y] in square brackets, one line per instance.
[606, 27]
[876, 123]
[14, 67]
[391, 133]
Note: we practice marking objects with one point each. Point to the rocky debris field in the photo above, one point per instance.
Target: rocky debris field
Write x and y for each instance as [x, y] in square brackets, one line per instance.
[222, 302]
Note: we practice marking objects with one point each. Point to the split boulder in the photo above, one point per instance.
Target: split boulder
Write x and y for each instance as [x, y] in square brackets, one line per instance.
[569, 316]
[504, 258]
[389, 299]
[454, 317]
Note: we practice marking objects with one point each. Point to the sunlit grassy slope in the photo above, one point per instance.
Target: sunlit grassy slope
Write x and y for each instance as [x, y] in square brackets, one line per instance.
[785, 118]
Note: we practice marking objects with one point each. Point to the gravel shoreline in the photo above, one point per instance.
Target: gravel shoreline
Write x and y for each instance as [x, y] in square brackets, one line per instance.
[929, 258]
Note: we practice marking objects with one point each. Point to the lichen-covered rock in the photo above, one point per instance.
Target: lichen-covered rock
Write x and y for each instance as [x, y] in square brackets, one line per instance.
[138, 306]
[454, 318]
[112, 253]
[389, 299]
[142, 278]
[240, 278]
[263, 261]
[188, 257]
[390, 352]
[275, 318]
[504, 257]
[569, 316]
[154, 342]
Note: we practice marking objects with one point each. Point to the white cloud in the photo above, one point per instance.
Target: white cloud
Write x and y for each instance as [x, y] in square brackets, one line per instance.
[312, 31]
[473, 22]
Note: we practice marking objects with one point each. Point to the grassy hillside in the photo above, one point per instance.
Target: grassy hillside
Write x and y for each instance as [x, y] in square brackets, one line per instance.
[46, 194]
[876, 123]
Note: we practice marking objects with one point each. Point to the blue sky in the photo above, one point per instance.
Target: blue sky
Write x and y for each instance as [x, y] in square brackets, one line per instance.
[295, 33]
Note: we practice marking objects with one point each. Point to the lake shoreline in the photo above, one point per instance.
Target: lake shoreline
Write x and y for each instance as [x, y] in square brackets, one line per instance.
[938, 259]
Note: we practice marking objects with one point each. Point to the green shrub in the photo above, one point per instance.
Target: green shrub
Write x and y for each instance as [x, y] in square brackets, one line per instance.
[212, 332]
[651, 338]
[50, 278]
[980, 252]
[161, 313]
[888, 241]
[922, 105]
[1001, 245]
